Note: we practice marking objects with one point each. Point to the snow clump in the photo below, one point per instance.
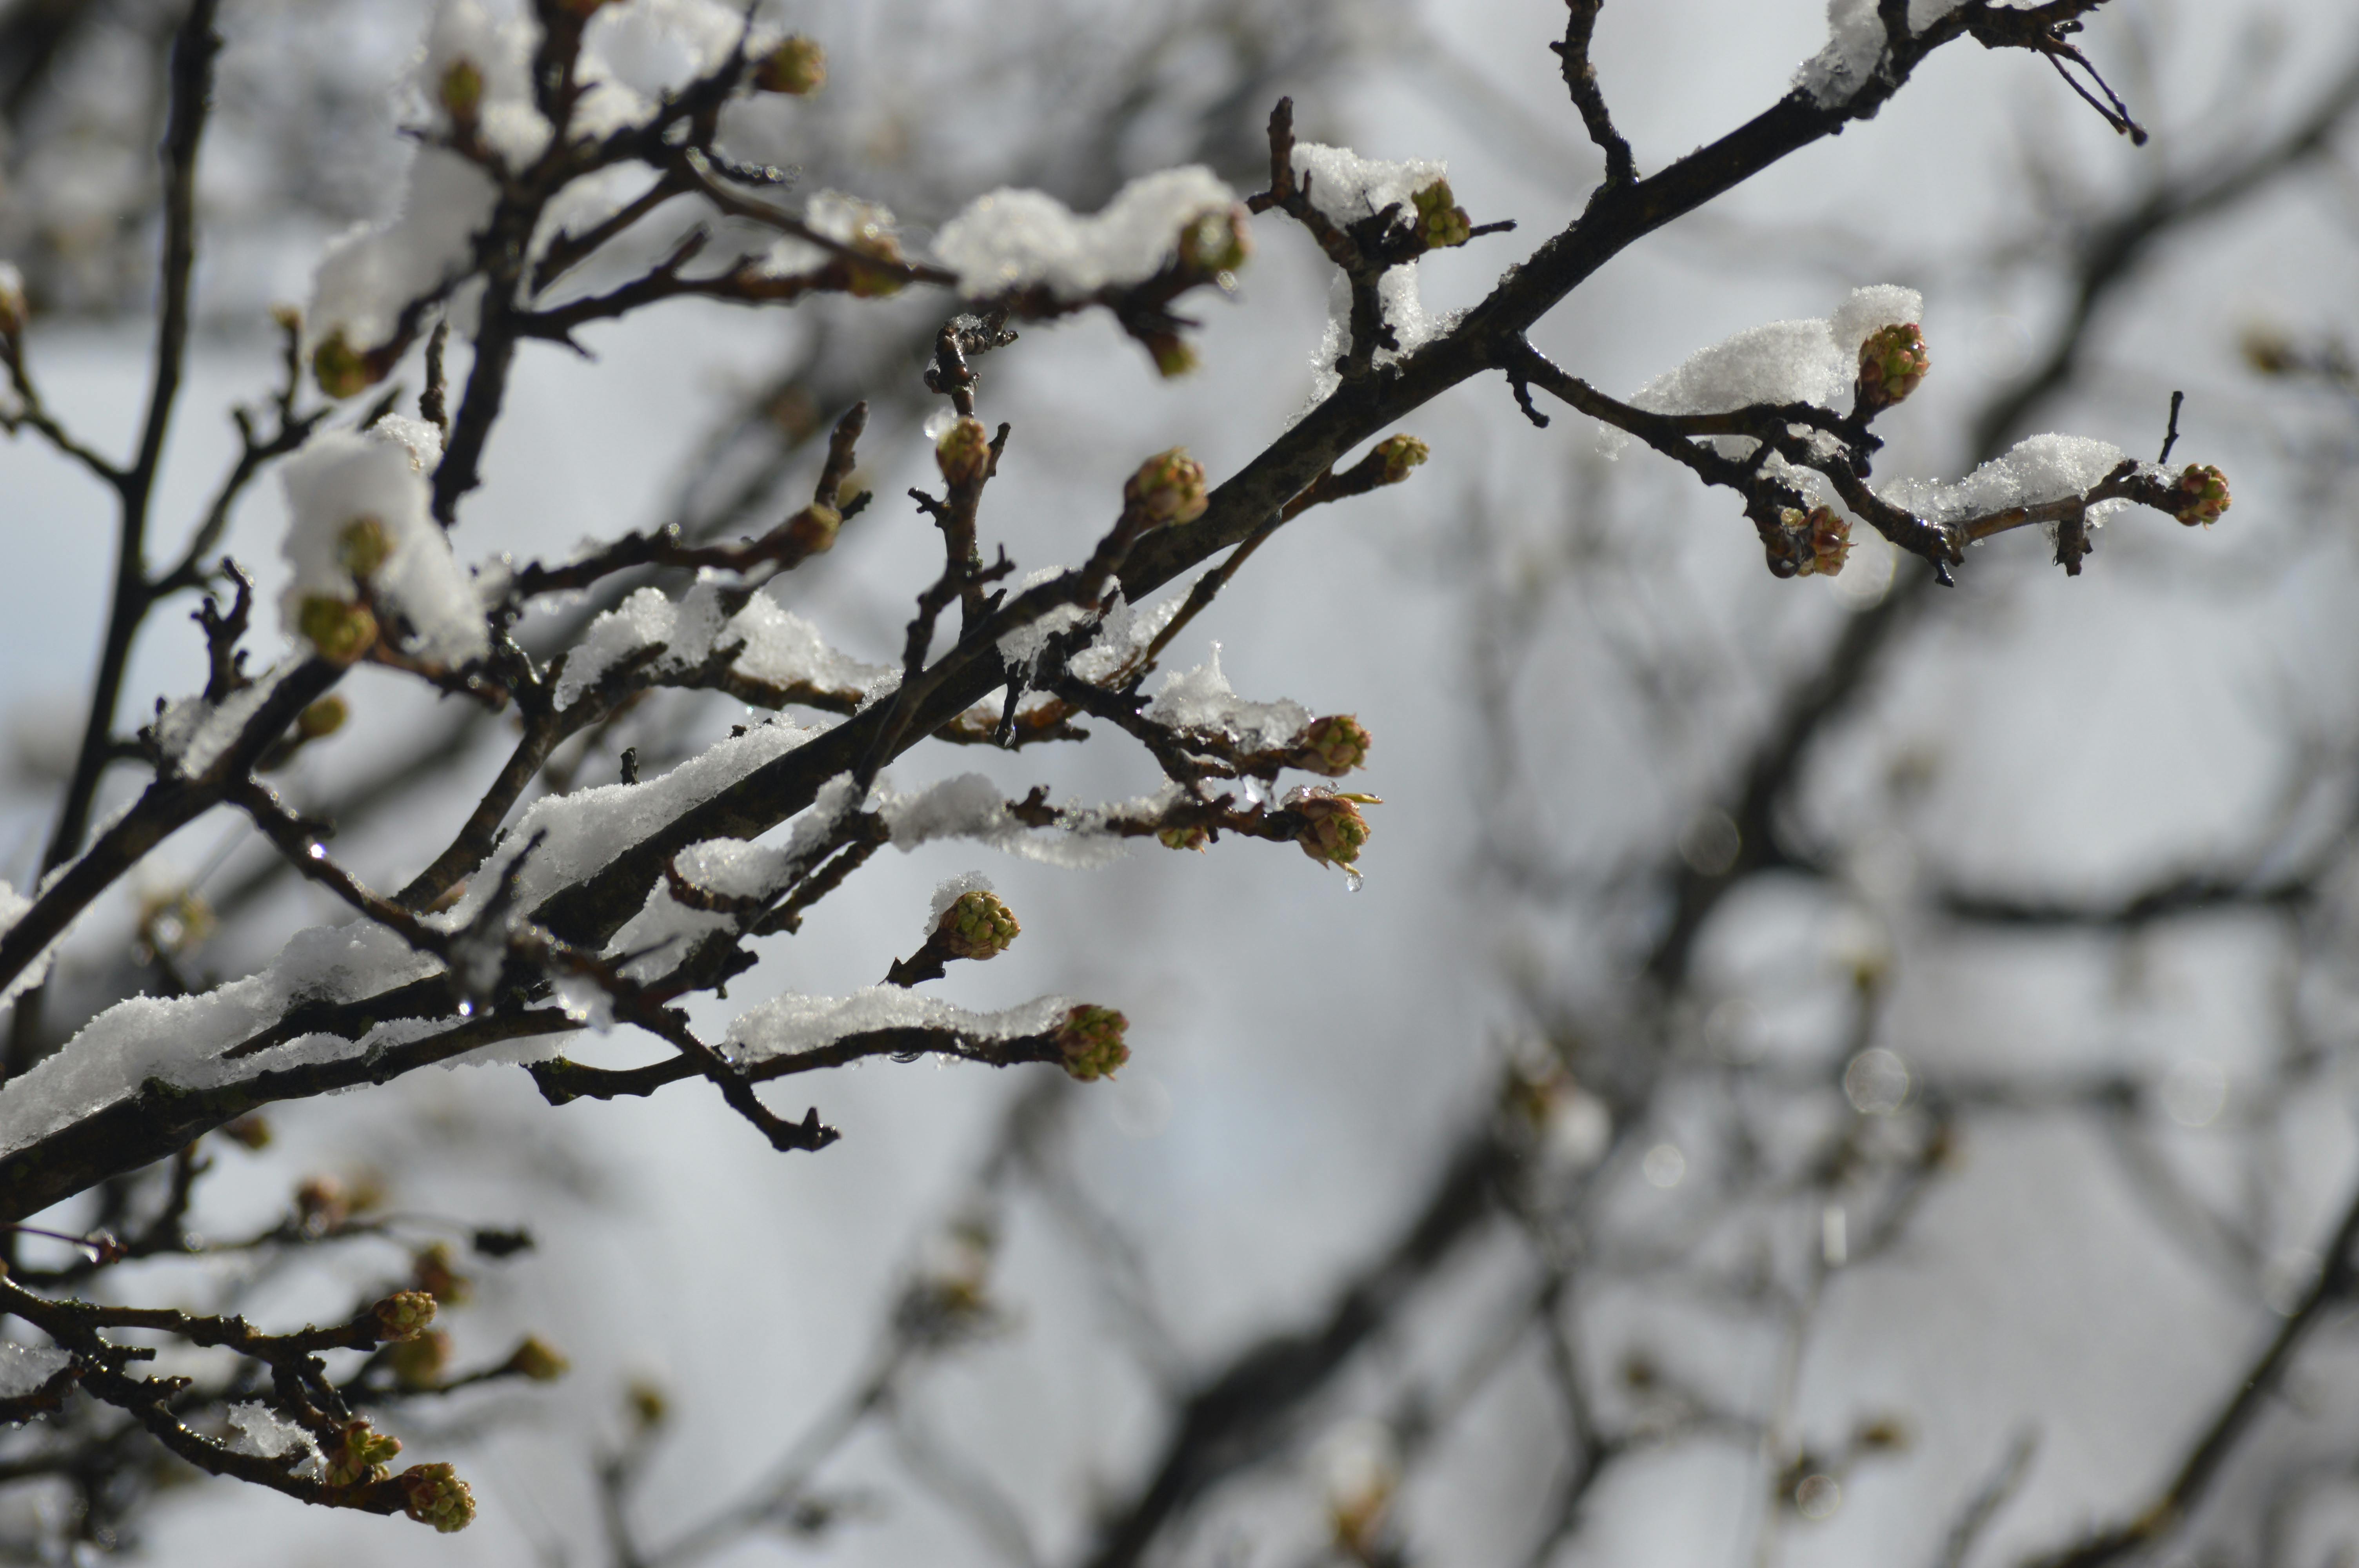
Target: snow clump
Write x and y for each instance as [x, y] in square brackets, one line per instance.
[343, 481]
[2035, 470]
[1011, 239]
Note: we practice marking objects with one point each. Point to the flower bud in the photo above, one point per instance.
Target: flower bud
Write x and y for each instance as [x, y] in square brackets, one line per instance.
[433, 1494]
[2203, 494]
[1183, 839]
[340, 631]
[976, 925]
[1891, 362]
[1091, 1040]
[357, 1454]
[14, 310]
[341, 369]
[419, 1363]
[1169, 487]
[537, 1359]
[1333, 745]
[323, 718]
[1441, 222]
[251, 1130]
[363, 548]
[462, 92]
[1400, 454]
[321, 1204]
[797, 67]
[1829, 538]
[431, 1270]
[872, 237]
[1215, 242]
[1174, 355]
[813, 529]
[1334, 831]
[403, 1314]
[964, 454]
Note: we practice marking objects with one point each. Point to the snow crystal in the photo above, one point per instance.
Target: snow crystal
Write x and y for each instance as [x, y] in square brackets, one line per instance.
[794, 1024]
[193, 733]
[778, 648]
[1123, 636]
[972, 806]
[264, 1431]
[340, 477]
[1347, 188]
[2036, 469]
[1202, 699]
[1019, 239]
[950, 891]
[24, 1368]
[1856, 43]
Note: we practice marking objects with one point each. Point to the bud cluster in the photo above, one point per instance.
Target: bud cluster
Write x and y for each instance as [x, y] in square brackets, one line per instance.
[340, 631]
[964, 454]
[976, 925]
[341, 369]
[1891, 362]
[1194, 839]
[537, 1360]
[419, 1363]
[1807, 544]
[1333, 745]
[1399, 454]
[1441, 222]
[405, 1314]
[797, 67]
[1168, 488]
[358, 1453]
[1091, 1042]
[1215, 242]
[2203, 494]
[1334, 831]
[433, 1494]
[462, 92]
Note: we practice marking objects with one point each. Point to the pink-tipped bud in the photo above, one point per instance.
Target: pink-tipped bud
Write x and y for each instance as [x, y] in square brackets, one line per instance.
[433, 1494]
[2203, 494]
[1168, 488]
[1334, 831]
[1891, 362]
[1333, 745]
[405, 1314]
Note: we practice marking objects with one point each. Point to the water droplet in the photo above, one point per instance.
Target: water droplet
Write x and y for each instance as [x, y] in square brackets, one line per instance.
[1817, 1496]
[466, 1009]
[1876, 1082]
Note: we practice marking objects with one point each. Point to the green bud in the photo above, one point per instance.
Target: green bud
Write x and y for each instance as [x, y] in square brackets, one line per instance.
[814, 528]
[537, 1359]
[1169, 487]
[323, 718]
[403, 1314]
[462, 92]
[419, 1363]
[797, 67]
[1183, 839]
[341, 369]
[976, 925]
[357, 1454]
[1441, 222]
[340, 631]
[363, 546]
[1216, 241]
[1091, 1040]
[433, 1494]
[1333, 745]
[1400, 454]
[964, 454]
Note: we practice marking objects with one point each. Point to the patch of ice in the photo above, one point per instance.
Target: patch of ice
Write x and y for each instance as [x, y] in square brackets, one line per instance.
[263, 1432]
[24, 1368]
